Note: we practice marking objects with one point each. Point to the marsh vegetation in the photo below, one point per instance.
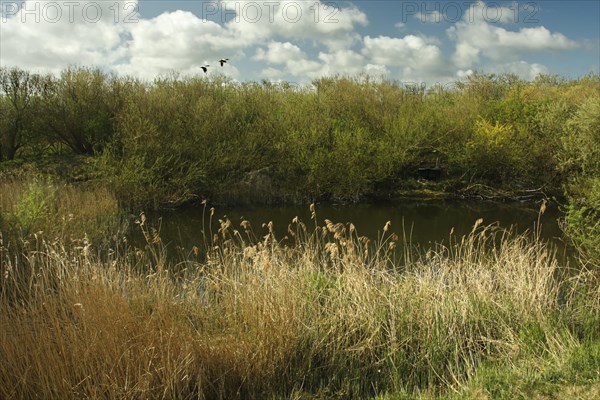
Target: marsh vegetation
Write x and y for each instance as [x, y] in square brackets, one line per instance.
[329, 312]
[329, 315]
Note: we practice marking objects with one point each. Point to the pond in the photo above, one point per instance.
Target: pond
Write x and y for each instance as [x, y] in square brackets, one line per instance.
[424, 223]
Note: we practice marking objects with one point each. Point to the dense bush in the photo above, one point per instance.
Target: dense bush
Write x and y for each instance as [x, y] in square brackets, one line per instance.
[581, 164]
[177, 139]
[19, 93]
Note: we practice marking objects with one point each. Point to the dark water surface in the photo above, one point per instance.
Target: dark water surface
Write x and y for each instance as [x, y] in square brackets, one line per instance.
[423, 222]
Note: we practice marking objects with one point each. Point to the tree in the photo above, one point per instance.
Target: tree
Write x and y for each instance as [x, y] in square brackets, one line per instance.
[80, 109]
[18, 89]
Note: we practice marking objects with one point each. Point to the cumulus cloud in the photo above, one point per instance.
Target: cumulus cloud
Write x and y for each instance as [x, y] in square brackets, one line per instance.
[475, 36]
[462, 74]
[291, 57]
[345, 62]
[272, 74]
[280, 53]
[43, 35]
[299, 65]
[177, 40]
[418, 56]
[377, 71]
[285, 39]
[321, 22]
[47, 36]
[166, 39]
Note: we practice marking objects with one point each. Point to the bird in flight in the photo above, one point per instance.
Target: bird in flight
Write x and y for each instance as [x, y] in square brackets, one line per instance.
[223, 61]
[205, 68]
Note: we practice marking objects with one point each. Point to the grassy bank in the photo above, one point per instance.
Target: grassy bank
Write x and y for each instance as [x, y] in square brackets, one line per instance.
[329, 316]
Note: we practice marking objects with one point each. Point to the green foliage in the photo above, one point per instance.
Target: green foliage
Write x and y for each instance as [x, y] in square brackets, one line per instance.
[341, 137]
[345, 138]
[581, 163]
[495, 152]
[582, 153]
[583, 225]
[80, 107]
[35, 205]
[584, 362]
[32, 211]
[158, 155]
[19, 91]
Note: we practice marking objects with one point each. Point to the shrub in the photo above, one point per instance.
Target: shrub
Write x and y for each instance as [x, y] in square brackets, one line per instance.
[33, 204]
[495, 153]
[581, 162]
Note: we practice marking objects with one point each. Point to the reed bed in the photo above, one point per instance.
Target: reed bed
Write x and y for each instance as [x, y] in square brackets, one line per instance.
[328, 314]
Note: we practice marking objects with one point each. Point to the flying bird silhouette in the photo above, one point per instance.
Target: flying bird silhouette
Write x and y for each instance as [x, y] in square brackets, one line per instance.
[223, 61]
[205, 67]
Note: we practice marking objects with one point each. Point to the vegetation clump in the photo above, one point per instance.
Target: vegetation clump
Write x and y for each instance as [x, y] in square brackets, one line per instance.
[33, 205]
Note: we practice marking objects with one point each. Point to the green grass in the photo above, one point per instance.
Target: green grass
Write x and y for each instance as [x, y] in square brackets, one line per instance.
[35, 206]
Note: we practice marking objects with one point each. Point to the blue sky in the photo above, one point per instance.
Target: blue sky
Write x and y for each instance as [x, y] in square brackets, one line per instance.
[298, 41]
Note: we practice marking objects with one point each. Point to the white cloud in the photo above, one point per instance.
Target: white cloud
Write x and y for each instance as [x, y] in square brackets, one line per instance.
[377, 71]
[313, 20]
[475, 36]
[272, 74]
[288, 39]
[180, 41]
[280, 53]
[345, 62]
[290, 56]
[462, 74]
[48, 36]
[419, 57]
[297, 63]
[177, 40]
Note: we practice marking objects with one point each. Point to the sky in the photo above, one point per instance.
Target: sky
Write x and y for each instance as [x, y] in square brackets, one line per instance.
[300, 41]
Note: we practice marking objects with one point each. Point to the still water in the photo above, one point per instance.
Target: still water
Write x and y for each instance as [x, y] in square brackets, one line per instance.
[423, 222]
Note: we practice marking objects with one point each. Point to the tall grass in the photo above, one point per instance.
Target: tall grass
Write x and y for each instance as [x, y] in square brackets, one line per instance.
[34, 204]
[326, 315]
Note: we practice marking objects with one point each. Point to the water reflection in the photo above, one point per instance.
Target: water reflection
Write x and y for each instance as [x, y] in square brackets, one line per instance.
[423, 222]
